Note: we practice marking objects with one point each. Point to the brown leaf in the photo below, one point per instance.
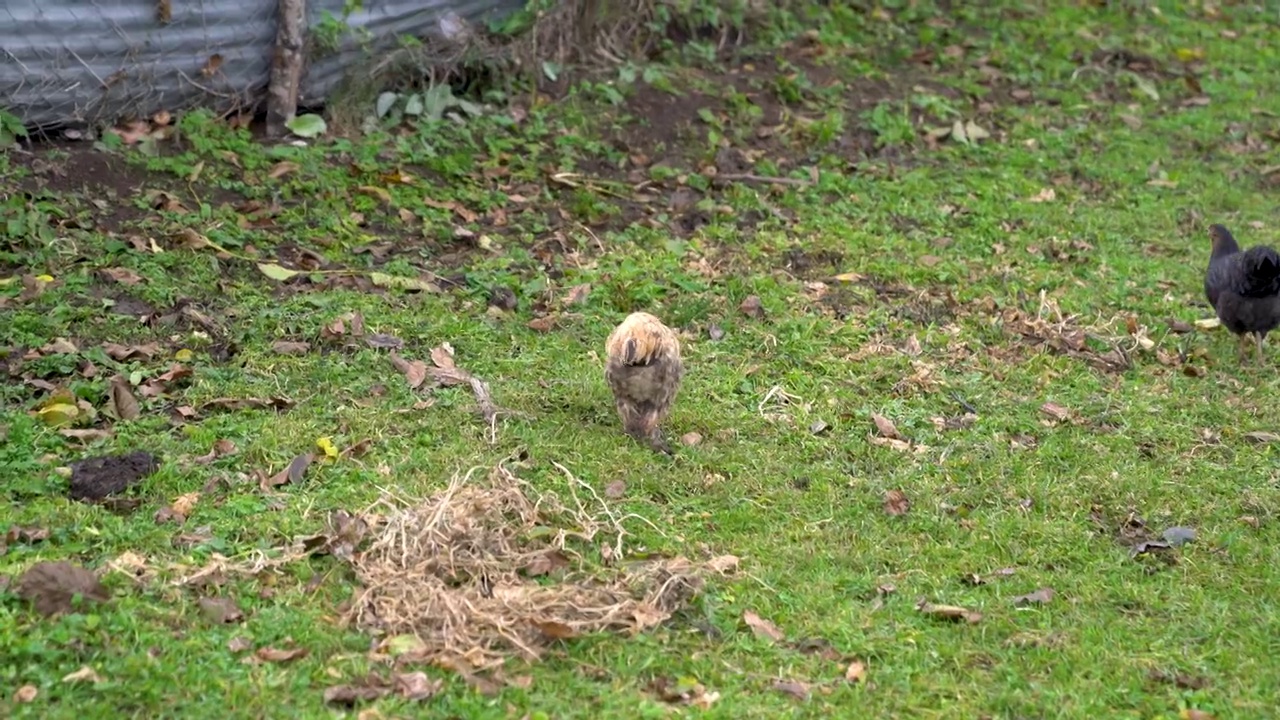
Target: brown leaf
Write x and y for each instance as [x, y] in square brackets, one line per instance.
[856, 672]
[52, 587]
[239, 644]
[25, 694]
[1181, 680]
[954, 613]
[275, 655]
[122, 275]
[26, 535]
[359, 449]
[896, 503]
[751, 307]
[416, 685]
[1261, 437]
[122, 402]
[578, 295]
[88, 435]
[762, 628]
[282, 168]
[382, 341]
[129, 352]
[723, 564]
[60, 346]
[1056, 411]
[690, 439]
[352, 695]
[175, 372]
[1038, 597]
[929, 260]
[542, 324]
[442, 356]
[275, 403]
[546, 562]
[885, 427]
[794, 688]
[220, 610]
[555, 630]
[415, 371]
[615, 489]
[290, 347]
[84, 674]
[221, 448]
[292, 473]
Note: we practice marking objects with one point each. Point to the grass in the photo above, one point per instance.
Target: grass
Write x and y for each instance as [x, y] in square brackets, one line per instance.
[972, 291]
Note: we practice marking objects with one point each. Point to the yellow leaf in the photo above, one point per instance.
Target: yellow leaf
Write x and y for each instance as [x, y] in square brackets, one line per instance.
[45, 278]
[1189, 54]
[327, 447]
[183, 355]
[377, 192]
[849, 277]
[59, 414]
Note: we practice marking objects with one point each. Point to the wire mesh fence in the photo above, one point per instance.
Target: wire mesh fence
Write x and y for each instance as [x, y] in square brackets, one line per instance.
[94, 61]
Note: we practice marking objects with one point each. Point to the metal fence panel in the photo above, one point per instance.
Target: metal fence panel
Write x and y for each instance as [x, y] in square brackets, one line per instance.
[71, 61]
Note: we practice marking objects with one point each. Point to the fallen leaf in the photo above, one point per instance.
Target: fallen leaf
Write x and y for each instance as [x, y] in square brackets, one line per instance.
[292, 473]
[723, 564]
[239, 644]
[381, 341]
[577, 295]
[542, 324]
[1179, 536]
[129, 352]
[282, 168]
[761, 627]
[122, 275]
[1045, 195]
[929, 260]
[357, 450]
[1037, 597]
[954, 613]
[351, 695]
[60, 346]
[221, 448]
[275, 655]
[442, 356]
[122, 403]
[615, 489]
[856, 672]
[1262, 437]
[690, 439]
[25, 694]
[416, 685]
[794, 688]
[1056, 411]
[84, 674]
[290, 347]
[87, 435]
[26, 535]
[53, 587]
[276, 272]
[405, 283]
[275, 403]
[555, 630]
[220, 610]
[885, 427]
[896, 503]
[415, 371]
[715, 332]
[751, 307]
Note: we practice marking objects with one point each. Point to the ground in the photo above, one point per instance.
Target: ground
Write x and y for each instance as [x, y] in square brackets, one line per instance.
[925, 369]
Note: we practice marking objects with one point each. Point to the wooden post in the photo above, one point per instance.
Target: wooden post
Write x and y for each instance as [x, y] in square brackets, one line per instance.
[286, 66]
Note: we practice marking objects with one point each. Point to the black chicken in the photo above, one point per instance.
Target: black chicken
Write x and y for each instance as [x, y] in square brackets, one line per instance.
[1243, 287]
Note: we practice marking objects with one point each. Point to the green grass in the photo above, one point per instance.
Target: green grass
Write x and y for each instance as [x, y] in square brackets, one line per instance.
[954, 255]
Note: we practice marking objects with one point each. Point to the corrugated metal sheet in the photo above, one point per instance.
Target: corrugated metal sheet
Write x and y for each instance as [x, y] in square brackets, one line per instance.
[92, 60]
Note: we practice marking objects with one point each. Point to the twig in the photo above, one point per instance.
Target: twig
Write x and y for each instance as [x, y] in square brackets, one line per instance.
[749, 177]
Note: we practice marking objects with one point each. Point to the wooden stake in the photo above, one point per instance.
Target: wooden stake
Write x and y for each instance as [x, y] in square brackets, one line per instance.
[286, 66]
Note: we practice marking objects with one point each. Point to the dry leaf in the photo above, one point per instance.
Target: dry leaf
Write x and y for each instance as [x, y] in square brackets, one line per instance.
[856, 672]
[122, 275]
[723, 564]
[542, 324]
[954, 613]
[896, 502]
[1038, 597]
[885, 427]
[442, 356]
[282, 168]
[25, 694]
[415, 371]
[84, 674]
[221, 611]
[292, 473]
[690, 439]
[1045, 195]
[274, 655]
[751, 307]
[615, 489]
[1056, 411]
[762, 628]
[1262, 437]
[122, 402]
[555, 630]
[290, 347]
[794, 688]
[578, 295]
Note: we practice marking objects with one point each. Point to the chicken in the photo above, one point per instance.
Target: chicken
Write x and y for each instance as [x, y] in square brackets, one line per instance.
[1243, 287]
[644, 370]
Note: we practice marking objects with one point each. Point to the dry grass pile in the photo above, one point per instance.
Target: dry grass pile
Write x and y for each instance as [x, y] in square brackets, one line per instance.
[485, 570]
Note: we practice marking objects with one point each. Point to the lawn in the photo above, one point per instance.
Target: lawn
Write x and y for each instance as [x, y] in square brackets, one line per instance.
[950, 443]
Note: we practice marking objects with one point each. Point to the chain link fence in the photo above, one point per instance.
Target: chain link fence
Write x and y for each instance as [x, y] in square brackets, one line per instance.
[71, 62]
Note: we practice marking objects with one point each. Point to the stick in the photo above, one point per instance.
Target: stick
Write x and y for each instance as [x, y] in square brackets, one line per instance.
[286, 66]
[748, 177]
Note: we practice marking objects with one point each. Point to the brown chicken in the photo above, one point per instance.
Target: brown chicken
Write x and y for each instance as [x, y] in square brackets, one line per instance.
[1243, 287]
[644, 371]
